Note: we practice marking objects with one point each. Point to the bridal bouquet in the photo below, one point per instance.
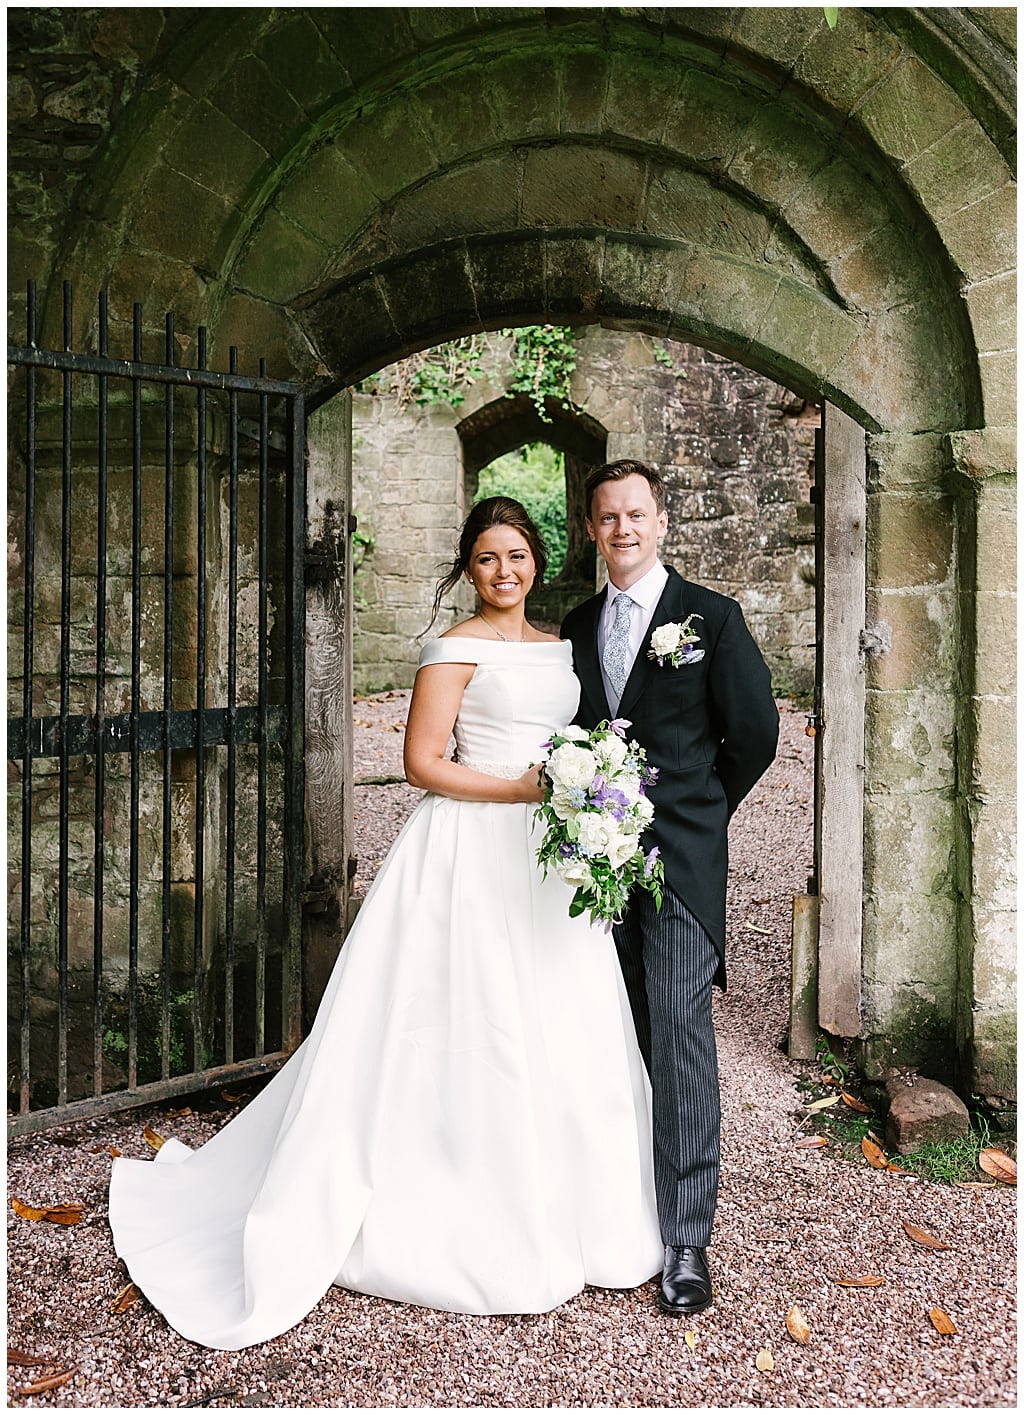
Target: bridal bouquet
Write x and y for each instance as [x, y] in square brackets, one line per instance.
[595, 809]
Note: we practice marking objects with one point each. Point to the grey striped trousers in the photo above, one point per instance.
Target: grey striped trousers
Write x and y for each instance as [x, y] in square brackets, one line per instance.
[668, 962]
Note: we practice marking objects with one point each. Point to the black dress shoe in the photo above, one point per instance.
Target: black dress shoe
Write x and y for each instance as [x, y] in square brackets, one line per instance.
[685, 1282]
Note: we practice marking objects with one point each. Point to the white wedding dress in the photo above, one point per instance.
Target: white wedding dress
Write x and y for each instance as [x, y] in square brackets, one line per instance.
[467, 1124]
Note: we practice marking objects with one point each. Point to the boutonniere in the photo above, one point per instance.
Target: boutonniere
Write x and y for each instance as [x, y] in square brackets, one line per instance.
[674, 643]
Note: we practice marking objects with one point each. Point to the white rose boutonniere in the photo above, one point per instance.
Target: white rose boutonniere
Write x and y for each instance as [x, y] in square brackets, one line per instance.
[674, 643]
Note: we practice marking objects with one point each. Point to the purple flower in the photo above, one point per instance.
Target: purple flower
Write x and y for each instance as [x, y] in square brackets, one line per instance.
[546, 746]
[566, 850]
[618, 725]
[649, 862]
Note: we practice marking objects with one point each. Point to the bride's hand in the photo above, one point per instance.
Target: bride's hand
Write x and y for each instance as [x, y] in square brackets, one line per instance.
[533, 783]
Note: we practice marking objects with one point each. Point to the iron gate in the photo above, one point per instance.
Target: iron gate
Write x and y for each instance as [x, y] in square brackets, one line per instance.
[155, 728]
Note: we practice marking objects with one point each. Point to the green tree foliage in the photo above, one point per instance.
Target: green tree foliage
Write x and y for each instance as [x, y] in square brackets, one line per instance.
[534, 475]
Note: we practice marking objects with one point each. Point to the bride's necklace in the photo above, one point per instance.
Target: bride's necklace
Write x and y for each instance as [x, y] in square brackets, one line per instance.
[503, 637]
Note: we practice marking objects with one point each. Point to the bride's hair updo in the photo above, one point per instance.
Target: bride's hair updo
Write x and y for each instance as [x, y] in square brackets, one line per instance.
[494, 511]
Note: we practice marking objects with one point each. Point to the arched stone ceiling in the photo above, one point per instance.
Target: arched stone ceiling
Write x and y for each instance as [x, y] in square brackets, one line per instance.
[342, 187]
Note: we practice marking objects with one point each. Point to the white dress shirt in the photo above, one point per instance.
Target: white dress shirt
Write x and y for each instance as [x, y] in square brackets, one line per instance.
[645, 594]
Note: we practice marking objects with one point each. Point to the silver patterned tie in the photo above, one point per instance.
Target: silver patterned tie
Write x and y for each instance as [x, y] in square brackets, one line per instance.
[616, 651]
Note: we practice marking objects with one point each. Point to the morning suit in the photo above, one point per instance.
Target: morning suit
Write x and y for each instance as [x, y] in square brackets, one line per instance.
[711, 728]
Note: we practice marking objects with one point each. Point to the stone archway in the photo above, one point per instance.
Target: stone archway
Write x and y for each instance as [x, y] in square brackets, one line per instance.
[835, 209]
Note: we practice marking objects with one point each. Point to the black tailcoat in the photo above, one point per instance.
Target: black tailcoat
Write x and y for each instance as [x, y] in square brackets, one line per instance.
[711, 728]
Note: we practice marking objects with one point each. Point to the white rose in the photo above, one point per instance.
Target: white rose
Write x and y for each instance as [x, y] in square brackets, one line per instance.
[595, 832]
[570, 767]
[575, 872]
[575, 734]
[644, 810]
[621, 849]
[612, 752]
[666, 639]
[561, 806]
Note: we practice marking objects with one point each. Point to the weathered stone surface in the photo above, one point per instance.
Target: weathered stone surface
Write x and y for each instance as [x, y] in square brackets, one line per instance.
[910, 540]
[841, 68]
[923, 1112]
[910, 110]
[981, 238]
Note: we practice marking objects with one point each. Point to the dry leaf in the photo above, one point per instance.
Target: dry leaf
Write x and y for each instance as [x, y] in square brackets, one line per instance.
[48, 1382]
[823, 1104]
[177, 1114]
[22, 1358]
[863, 1280]
[124, 1299]
[856, 1104]
[691, 1340]
[918, 1235]
[831, 1080]
[873, 1153]
[763, 1361]
[747, 924]
[894, 1168]
[53, 1213]
[942, 1322]
[811, 1142]
[152, 1139]
[229, 1096]
[999, 1165]
[114, 1151]
[796, 1325]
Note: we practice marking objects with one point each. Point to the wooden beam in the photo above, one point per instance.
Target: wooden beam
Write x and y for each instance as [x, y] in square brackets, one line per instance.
[841, 862]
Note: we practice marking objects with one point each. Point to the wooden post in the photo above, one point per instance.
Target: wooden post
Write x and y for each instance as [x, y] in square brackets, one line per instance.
[841, 860]
[328, 693]
[803, 991]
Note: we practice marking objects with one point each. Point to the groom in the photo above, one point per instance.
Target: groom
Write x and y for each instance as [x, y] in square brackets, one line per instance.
[707, 720]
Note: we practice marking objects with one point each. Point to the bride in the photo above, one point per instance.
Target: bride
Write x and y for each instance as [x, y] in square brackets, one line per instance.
[466, 1126]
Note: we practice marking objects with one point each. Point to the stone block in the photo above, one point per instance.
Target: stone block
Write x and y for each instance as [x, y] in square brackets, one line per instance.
[431, 297]
[889, 371]
[281, 261]
[524, 96]
[982, 238]
[898, 462]
[640, 94]
[994, 856]
[508, 278]
[882, 271]
[457, 117]
[584, 84]
[994, 763]
[774, 35]
[708, 119]
[327, 197]
[994, 1056]
[388, 145]
[910, 541]
[995, 657]
[778, 151]
[722, 296]
[909, 739]
[910, 110]
[841, 65]
[634, 275]
[999, 386]
[582, 186]
[800, 334]
[449, 205]
[923, 651]
[366, 39]
[909, 837]
[573, 276]
[210, 149]
[959, 170]
[838, 210]
[178, 217]
[298, 59]
[923, 1112]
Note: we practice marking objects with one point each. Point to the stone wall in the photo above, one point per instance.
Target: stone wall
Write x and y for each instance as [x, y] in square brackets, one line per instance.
[736, 451]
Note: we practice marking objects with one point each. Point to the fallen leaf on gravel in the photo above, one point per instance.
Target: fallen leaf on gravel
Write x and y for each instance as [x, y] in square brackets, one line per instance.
[764, 1362]
[115, 1153]
[53, 1213]
[823, 1104]
[124, 1299]
[229, 1096]
[177, 1114]
[831, 1080]
[894, 1168]
[691, 1340]
[999, 1165]
[862, 1280]
[918, 1235]
[747, 924]
[874, 1154]
[942, 1322]
[22, 1358]
[796, 1325]
[856, 1104]
[152, 1139]
[975, 1184]
[811, 1142]
[48, 1382]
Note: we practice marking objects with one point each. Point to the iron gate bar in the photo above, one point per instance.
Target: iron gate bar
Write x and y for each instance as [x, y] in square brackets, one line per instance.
[67, 735]
[133, 721]
[101, 693]
[28, 669]
[156, 731]
[198, 942]
[261, 698]
[65, 690]
[168, 704]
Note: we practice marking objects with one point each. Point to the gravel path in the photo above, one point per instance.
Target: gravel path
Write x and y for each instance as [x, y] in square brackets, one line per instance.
[789, 1222]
